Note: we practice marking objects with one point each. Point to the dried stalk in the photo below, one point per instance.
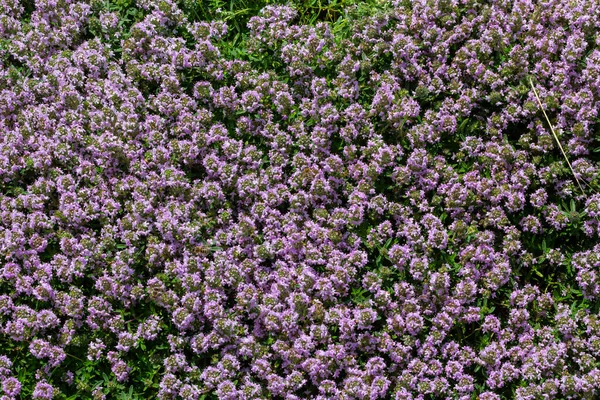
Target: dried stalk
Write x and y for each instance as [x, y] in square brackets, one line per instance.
[554, 134]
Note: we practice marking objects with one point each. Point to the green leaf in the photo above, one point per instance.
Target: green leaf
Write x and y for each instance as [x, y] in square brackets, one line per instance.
[538, 273]
[462, 126]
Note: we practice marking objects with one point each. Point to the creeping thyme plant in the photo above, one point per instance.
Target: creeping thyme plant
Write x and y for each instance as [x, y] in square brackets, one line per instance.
[210, 199]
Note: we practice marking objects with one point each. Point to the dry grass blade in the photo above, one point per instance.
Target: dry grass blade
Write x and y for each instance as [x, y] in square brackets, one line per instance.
[537, 97]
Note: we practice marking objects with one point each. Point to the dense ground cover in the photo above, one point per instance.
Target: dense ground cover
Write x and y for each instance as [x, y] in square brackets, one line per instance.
[318, 200]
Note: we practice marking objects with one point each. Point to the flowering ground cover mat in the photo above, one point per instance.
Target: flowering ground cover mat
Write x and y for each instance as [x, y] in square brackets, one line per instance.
[315, 199]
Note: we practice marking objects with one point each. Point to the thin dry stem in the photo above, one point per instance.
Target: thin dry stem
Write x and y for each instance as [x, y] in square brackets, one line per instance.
[555, 135]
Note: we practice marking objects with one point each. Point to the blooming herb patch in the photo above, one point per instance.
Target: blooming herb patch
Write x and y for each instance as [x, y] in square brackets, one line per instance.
[338, 199]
